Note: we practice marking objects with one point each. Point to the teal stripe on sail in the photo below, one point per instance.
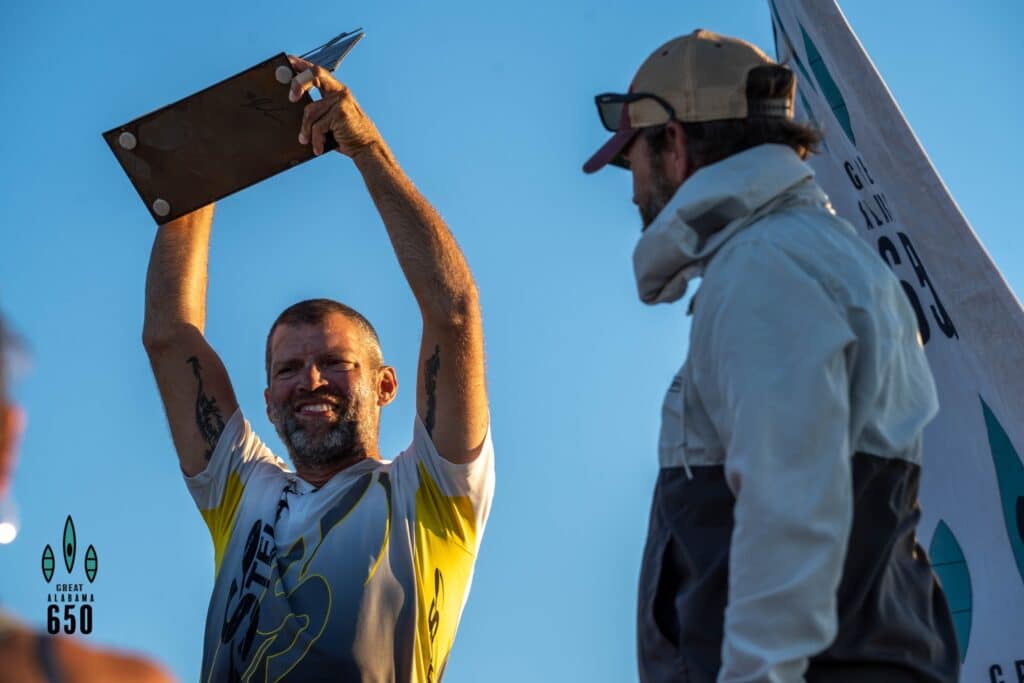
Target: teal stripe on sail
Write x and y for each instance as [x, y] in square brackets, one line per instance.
[951, 567]
[1010, 474]
[810, 115]
[828, 86]
[790, 47]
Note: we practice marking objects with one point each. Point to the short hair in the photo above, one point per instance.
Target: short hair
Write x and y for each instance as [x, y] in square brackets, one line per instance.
[313, 312]
[708, 142]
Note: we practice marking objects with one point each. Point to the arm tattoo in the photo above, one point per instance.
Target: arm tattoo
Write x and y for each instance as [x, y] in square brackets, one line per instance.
[433, 364]
[208, 417]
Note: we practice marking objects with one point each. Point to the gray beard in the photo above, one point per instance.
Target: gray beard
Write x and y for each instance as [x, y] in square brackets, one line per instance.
[661, 194]
[342, 442]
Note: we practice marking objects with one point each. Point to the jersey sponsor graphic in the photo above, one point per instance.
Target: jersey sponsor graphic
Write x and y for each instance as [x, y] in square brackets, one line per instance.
[261, 639]
[971, 325]
[265, 642]
[270, 630]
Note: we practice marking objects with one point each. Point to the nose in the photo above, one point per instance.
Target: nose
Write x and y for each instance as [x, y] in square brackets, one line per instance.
[312, 377]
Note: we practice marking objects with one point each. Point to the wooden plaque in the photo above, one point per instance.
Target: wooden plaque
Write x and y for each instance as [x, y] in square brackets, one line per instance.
[214, 143]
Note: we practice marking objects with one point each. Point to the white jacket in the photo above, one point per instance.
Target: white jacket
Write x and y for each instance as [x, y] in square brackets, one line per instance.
[796, 418]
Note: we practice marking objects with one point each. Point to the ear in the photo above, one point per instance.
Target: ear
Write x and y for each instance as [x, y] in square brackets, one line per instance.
[12, 423]
[677, 164]
[387, 385]
[266, 399]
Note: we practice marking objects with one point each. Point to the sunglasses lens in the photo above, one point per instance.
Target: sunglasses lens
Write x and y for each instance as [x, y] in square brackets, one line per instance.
[611, 112]
[620, 162]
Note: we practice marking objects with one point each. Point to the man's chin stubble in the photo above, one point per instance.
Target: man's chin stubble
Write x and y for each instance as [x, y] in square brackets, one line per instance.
[347, 447]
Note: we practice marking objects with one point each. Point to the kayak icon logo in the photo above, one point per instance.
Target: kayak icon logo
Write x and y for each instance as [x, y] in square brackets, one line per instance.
[69, 549]
[69, 606]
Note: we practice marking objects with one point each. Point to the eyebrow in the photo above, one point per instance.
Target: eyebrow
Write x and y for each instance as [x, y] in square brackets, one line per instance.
[342, 352]
[283, 364]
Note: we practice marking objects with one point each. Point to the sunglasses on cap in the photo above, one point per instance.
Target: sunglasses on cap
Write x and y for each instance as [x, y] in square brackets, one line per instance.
[610, 107]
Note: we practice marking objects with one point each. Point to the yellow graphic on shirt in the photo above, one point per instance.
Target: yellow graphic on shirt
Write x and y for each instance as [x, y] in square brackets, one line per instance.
[443, 557]
[220, 520]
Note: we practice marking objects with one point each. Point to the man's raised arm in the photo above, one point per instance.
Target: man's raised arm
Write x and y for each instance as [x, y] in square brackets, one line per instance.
[193, 383]
[451, 396]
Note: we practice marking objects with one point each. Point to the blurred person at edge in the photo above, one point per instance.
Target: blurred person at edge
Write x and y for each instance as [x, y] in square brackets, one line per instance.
[26, 655]
[781, 543]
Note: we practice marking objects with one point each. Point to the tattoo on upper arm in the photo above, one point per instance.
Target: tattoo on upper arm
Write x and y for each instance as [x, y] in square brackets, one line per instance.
[208, 417]
[430, 369]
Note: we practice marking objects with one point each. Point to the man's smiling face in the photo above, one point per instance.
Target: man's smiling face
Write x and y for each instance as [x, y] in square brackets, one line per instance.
[323, 397]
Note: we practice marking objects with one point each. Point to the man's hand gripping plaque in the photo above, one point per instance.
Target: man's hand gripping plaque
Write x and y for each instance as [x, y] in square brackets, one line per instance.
[337, 113]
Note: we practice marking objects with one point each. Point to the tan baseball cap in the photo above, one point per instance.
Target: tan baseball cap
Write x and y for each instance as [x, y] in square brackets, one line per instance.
[697, 77]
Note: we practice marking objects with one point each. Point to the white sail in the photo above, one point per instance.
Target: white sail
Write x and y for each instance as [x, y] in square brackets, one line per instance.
[880, 179]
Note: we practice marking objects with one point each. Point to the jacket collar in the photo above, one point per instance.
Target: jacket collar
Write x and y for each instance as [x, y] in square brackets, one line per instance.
[709, 208]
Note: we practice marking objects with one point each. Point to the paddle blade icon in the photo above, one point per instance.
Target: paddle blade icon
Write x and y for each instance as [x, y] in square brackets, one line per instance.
[69, 544]
[48, 563]
[91, 564]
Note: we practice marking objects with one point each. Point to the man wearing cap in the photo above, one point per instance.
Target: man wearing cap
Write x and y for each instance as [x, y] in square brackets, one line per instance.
[781, 544]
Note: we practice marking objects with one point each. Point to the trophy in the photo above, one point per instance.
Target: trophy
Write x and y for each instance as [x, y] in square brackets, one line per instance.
[223, 138]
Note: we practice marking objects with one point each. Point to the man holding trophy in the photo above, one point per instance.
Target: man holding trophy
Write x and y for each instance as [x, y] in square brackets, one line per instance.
[350, 567]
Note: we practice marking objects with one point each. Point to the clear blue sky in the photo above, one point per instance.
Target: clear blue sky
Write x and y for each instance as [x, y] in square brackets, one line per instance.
[489, 108]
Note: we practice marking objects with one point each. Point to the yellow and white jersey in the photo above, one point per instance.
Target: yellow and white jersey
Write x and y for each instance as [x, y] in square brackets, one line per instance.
[363, 579]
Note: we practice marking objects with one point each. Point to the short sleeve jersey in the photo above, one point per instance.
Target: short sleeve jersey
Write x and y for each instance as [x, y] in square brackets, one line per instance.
[362, 579]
